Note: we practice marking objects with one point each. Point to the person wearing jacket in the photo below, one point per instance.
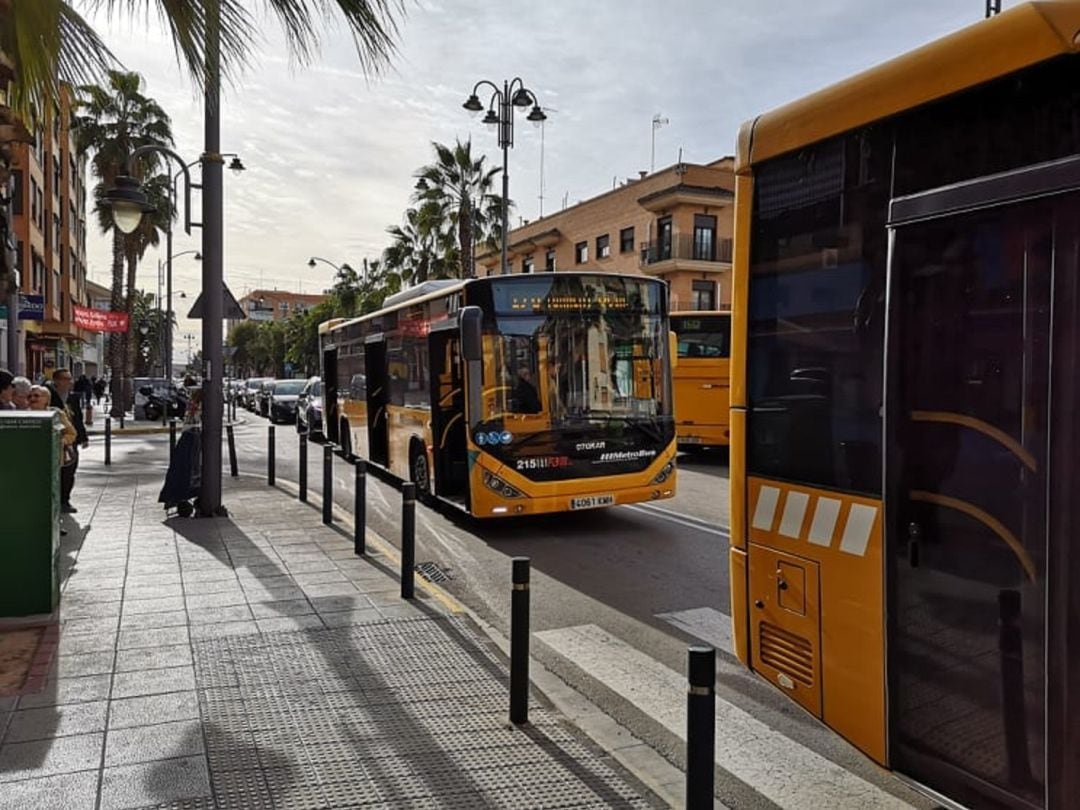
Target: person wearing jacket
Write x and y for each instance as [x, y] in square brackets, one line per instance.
[69, 404]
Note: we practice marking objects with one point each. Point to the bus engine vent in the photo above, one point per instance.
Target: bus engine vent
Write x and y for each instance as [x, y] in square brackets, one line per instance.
[786, 652]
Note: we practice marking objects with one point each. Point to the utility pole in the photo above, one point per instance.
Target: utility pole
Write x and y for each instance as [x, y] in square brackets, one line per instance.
[542, 123]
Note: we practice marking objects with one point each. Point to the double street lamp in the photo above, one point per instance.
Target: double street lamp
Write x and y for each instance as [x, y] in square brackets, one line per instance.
[500, 114]
[344, 266]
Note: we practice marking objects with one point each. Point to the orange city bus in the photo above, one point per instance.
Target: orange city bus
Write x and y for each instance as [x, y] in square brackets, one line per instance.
[905, 451]
[510, 395]
[700, 378]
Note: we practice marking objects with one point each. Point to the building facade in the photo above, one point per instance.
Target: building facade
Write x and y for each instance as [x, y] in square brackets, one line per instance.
[48, 210]
[277, 305]
[675, 224]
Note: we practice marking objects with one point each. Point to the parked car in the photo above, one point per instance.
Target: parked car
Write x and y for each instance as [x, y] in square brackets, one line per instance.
[283, 399]
[262, 397]
[309, 408]
[250, 396]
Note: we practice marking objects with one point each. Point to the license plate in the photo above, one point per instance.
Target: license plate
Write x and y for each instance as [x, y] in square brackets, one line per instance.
[690, 440]
[592, 501]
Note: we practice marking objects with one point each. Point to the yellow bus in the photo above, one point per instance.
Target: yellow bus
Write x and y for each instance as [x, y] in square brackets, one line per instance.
[700, 378]
[905, 445]
[511, 395]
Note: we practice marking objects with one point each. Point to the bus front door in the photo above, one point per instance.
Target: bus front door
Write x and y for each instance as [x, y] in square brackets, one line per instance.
[967, 496]
[330, 394]
[377, 396]
[448, 414]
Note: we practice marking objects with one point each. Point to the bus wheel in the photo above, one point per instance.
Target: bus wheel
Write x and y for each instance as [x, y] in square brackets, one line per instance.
[419, 470]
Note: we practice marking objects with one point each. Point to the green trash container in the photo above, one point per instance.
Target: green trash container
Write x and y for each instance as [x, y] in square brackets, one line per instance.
[30, 494]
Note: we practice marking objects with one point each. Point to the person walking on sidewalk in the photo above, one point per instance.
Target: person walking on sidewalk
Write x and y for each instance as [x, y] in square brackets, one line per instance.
[7, 390]
[84, 390]
[98, 386]
[69, 404]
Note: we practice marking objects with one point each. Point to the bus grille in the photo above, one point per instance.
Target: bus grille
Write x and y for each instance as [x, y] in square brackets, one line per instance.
[786, 652]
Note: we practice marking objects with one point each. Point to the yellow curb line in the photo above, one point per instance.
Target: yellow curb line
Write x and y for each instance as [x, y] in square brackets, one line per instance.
[387, 550]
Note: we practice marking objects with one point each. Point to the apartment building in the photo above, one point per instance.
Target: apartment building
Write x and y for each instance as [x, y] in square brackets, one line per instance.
[675, 224]
[277, 305]
[48, 208]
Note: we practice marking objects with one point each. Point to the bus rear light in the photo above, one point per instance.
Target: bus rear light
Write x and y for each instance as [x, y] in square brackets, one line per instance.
[497, 485]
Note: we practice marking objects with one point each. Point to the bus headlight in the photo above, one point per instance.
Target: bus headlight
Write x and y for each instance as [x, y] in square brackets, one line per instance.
[497, 485]
[663, 475]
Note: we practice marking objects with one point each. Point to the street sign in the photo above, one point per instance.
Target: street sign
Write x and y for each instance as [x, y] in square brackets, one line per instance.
[230, 308]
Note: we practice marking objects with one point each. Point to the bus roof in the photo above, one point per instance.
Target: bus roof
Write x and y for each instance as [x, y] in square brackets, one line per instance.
[1020, 37]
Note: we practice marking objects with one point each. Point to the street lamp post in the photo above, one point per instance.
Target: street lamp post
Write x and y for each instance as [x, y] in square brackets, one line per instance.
[339, 268]
[512, 94]
[167, 352]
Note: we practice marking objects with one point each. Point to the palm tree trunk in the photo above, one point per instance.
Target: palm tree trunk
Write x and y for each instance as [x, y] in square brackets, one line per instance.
[465, 238]
[118, 340]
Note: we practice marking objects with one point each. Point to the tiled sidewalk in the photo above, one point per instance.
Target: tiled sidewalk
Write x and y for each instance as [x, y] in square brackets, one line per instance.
[255, 662]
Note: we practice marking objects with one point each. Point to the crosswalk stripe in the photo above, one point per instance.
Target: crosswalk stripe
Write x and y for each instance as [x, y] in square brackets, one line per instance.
[708, 624]
[777, 767]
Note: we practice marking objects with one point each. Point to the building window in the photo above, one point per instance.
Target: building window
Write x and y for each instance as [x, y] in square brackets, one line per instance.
[626, 240]
[603, 246]
[17, 192]
[581, 252]
[663, 239]
[704, 238]
[527, 264]
[283, 306]
[34, 202]
[703, 295]
[549, 260]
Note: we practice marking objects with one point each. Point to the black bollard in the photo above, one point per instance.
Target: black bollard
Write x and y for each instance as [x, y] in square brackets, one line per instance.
[360, 507]
[108, 441]
[328, 484]
[519, 641]
[232, 452]
[408, 538]
[172, 438]
[121, 421]
[303, 467]
[700, 728]
[271, 459]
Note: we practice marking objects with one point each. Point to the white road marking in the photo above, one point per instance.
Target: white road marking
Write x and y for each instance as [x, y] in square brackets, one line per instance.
[708, 624]
[776, 766]
[857, 531]
[825, 514]
[675, 517]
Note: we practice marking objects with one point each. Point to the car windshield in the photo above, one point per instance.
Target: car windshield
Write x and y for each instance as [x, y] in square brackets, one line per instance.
[316, 389]
[289, 387]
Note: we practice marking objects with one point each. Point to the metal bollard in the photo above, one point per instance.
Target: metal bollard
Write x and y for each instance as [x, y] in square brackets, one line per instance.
[172, 438]
[519, 641]
[408, 538]
[271, 456]
[108, 441]
[232, 452]
[360, 507]
[700, 727]
[121, 421]
[303, 467]
[328, 484]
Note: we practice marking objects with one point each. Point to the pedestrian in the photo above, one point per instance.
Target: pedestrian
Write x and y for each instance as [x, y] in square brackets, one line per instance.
[39, 399]
[84, 390]
[67, 402]
[97, 384]
[7, 390]
[21, 398]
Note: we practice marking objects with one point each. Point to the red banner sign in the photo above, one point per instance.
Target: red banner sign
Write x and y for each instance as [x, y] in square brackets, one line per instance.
[100, 320]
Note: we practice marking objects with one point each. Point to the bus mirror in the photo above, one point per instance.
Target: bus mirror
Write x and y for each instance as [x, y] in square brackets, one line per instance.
[673, 349]
[471, 343]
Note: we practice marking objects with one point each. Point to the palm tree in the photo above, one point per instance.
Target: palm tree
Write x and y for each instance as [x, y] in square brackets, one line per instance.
[423, 246]
[115, 120]
[461, 187]
[51, 43]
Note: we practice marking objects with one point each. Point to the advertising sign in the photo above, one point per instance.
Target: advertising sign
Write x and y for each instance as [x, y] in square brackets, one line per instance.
[100, 320]
[31, 307]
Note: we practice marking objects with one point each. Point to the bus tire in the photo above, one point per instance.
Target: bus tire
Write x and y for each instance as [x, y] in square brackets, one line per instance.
[420, 469]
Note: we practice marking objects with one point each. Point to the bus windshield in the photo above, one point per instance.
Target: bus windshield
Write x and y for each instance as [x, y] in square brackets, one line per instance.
[702, 336]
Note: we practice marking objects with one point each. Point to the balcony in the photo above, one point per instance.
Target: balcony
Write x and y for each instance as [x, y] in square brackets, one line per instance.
[684, 252]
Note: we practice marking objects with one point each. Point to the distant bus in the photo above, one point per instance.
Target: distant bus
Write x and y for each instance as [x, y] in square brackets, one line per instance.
[511, 395]
[700, 378]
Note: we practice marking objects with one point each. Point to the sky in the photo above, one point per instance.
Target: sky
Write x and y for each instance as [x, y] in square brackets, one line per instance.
[331, 154]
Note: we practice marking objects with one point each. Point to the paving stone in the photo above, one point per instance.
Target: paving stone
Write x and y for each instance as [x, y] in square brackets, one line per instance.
[331, 589]
[233, 596]
[67, 791]
[347, 617]
[128, 746]
[154, 605]
[154, 637]
[56, 721]
[95, 663]
[164, 708]
[293, 623]
[61, 691]
[90, 625]
[285, 607]
[153, 681]
[173, 655]
[28, 760]
[86, 643]
[216, 615]
[204, 631]
[154, 783]
[149, 621]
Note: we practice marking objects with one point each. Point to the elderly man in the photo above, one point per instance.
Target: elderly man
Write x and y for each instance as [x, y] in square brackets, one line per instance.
[64, 400]
[21, 397]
